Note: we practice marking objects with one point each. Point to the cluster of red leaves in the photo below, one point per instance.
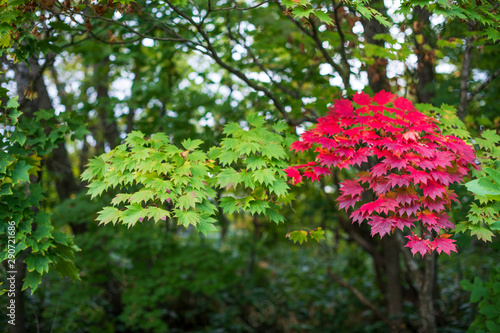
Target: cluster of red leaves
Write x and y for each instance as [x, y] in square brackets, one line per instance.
[410, 174]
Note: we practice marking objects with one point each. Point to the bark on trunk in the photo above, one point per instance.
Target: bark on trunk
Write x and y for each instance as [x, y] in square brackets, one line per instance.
[425, 66]
[105, 111]
[426, 303]
[377, 72]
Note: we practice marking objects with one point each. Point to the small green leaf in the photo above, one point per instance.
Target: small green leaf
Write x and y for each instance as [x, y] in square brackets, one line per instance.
[317, 234]
[228, 156]
[206, 226]
[20, 172]
[157, 214]
[189, 144]
[229, 205]
[67, 268]
[187, 218]
[96, 188]
[132, 214]
[109, 214]
[231, 129]
[187, 201]
[481, 232]
[324, 17]
[298, 236]
[142, 196]
[32, 281]
[264, 176]
[228, 178]
[38, 262]
[256, 120]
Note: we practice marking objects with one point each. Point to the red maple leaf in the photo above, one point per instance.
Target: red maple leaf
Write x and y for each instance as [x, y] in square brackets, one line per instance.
[347, 201]
[351, 187]
[444, 244]
[380, 225]
[433, 189]
[362, 99]
[383, 97]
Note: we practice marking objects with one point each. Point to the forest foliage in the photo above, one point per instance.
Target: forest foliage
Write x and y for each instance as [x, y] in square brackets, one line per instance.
[122, 120]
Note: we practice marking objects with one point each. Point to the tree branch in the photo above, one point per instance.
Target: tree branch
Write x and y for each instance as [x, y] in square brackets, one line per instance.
[462, 108]
[483, 85]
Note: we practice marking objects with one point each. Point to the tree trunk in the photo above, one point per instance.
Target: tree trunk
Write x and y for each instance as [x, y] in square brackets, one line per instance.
[104, 108]
[377, 72]
[426, 304]
[425, 66]
[394, 295]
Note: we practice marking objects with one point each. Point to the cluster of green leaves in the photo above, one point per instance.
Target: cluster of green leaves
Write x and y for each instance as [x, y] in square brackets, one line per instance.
[483, 12]
[484, 218]
[157, 180]
[305, 8]
[487, 296]
[302, 235]
[21, 196]
[251, 164]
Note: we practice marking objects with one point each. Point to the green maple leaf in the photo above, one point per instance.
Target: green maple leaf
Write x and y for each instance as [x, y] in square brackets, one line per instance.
[96, 188]
[280, 126]
[132, 214]
[232, 129]
[187, 218]
[188, 200]
[20, 172]
[206, 226]
[273, 150]
[247, 179]
[264, 176]
[229, 205]
[97, 167]
[299, 12]
[140, 153]
[258, 207]
[256, 120]
[228, 178]
[317, 234]
[158, 184]
[255, 162]
[324, 17]
[32, 281]
[280, 187]
[119, 198]
[142, 196]
[135, 138]
[228, 156]
[189, 144]
[38, 262]
[157, 213]
[481, 232]
[491, 136]
[5, 189]
[230, 143]
[44, 227]
[248, 148]
[274, 216]
[214, 153]
[197, 156]
[109, 214]
[67, 268]
[298, 236]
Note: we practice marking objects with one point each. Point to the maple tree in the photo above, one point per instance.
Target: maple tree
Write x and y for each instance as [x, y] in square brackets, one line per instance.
[408, 166]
